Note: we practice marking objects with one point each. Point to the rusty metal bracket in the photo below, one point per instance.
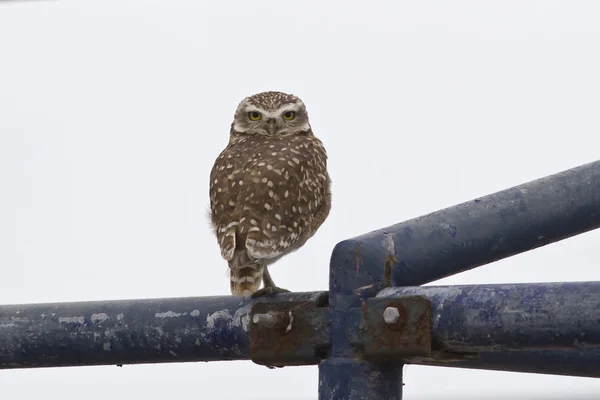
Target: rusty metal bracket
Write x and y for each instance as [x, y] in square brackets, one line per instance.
[298, 332]
[290, 332]
[395, 328]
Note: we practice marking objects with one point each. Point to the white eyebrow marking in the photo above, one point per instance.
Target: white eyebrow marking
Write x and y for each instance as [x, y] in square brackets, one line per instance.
[289, 107]
[276, 113]
[257, 109]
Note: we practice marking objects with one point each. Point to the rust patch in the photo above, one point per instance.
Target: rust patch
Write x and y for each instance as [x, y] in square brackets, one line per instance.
[284, 344]
[409, 337]
[387, 272]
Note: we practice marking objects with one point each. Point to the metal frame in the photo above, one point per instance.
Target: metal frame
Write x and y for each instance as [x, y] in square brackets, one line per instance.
[375, 317]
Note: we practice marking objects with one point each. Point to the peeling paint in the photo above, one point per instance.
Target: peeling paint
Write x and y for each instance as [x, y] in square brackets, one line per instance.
[100, 317]
[71, 320]
[390, 260]
[221, 314]
[388, 242]
[168, 314]
[443, 293]
[209, 325]
[242, 317]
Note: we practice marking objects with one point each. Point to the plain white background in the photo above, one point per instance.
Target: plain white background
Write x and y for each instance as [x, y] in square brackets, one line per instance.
[112, 113]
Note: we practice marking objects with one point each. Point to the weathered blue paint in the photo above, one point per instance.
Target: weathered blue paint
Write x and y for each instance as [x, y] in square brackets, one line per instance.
[345, 375]
[347, 378]
[127, 331]
[471, 234]
[531, 316]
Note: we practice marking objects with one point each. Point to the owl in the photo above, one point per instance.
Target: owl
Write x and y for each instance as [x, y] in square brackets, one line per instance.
[269, 189]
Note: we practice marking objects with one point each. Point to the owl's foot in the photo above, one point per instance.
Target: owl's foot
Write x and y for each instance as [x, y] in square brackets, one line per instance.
[269, 288]
[269, 291]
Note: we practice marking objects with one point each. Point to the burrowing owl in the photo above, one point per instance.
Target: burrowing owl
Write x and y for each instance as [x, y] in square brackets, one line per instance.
[269, 189]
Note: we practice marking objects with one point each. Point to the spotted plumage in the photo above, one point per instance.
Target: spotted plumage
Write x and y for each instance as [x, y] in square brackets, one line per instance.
[269, 188]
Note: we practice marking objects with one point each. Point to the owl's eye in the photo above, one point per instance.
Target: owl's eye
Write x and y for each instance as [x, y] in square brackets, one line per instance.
[254, 116]
[289, 115]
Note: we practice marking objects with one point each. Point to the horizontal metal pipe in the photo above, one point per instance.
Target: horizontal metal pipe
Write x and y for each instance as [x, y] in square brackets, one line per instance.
[574, 362]
[473, 233]
[477, 318]
[127, 331]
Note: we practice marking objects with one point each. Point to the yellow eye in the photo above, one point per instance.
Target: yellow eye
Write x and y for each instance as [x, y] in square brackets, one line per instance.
[289, 115]
[254, 116]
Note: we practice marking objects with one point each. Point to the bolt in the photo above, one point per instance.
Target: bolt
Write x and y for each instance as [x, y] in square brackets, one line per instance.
[266, 320]
[279, 320]
[391, 315]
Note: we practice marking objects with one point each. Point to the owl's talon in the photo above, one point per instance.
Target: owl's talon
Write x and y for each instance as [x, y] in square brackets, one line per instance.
[269, 288]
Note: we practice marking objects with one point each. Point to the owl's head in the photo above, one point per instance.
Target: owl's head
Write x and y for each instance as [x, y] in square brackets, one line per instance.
[271, 114]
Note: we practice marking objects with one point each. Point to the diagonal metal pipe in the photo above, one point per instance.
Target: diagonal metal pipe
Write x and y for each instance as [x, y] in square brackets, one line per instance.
[473, 233]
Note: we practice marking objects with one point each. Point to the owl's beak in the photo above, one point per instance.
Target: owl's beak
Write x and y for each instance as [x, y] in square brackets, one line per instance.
[271, 126]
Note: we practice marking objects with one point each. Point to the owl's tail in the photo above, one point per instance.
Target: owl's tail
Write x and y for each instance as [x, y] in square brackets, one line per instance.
[245, 280]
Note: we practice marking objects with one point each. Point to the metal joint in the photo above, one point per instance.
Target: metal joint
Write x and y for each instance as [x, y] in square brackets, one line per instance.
[286, 333]
[396, 328]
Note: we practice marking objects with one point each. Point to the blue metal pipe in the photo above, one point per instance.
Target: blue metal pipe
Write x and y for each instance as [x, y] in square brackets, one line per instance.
[575, 362]
[512, 316]
[124, 332]
[127, 331]
[350, 378]
[471, 234]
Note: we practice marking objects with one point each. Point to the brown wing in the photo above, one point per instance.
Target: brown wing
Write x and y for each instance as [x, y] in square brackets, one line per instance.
[223, 196]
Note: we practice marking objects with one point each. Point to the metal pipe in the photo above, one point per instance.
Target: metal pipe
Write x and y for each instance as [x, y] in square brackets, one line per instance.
[575, 362]
[473, 233]
[127, 331]
[475, 318]
[347, 378]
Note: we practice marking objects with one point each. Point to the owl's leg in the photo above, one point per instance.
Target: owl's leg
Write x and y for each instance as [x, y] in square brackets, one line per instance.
[269, 287]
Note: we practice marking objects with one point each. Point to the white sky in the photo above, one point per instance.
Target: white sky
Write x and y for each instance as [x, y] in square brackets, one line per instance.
[112, 113]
